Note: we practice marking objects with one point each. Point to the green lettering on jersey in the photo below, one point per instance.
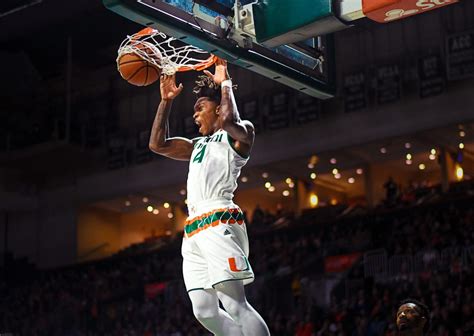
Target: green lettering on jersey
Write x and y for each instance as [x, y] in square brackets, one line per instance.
[200, 155]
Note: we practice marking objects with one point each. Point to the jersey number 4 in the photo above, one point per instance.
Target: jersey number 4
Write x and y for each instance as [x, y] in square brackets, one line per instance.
[200, 155]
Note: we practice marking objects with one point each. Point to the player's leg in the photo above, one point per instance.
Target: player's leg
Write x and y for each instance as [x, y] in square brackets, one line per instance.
[207, 312]
[232, 296]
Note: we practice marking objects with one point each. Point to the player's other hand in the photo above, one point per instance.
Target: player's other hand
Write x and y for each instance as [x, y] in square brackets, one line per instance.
[220, 73]
[168, 88]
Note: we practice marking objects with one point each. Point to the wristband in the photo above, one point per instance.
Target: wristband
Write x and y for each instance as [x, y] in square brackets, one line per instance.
[226, 83]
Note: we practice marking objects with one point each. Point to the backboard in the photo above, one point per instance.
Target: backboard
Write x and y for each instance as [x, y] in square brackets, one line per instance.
[229, 32]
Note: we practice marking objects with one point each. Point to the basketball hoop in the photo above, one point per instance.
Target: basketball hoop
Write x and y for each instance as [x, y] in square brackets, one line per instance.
[167, 53]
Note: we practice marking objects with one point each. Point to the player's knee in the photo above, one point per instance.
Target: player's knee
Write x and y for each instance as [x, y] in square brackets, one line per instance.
[203, 312]
[237, 309]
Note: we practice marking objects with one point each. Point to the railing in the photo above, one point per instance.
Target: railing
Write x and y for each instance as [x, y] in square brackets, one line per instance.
[378, 265]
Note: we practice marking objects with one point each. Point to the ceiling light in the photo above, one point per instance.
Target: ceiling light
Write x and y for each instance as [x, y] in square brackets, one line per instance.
[421, 166]
[461, 145]
[383, 150]
[462, 134]
[145, 199]
[128, 203]
[265, 175]
[271, 189]
[337, 176]
[432, 157]
[407, 145]
[313, 176]
[149, 208]
[170, 215]
[433, 151]
[186, 201]
[288, 180]
[333, 161]
[335, 171]
[166, 205]
[313, 200]
[408, 162]
[291, 185]
[286, 193]
[351, 180]
[182, 192]
[156, 211]
[408, 156]
[359, 171]
[310, 166]
[244, 179]
[268, 185]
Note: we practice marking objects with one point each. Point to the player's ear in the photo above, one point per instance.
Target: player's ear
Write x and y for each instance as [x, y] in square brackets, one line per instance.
[218, 108]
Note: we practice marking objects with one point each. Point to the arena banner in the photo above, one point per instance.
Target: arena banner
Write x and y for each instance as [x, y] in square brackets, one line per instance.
[460, 55]
[385, 11]
[340, 263]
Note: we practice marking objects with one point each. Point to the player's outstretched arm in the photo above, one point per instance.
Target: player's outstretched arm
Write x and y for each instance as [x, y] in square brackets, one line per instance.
[175, 148]
[240, 130]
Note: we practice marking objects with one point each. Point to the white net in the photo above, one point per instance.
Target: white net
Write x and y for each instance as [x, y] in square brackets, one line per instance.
[167, 53]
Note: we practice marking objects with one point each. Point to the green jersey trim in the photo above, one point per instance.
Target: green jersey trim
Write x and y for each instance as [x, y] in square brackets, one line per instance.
[231, 143]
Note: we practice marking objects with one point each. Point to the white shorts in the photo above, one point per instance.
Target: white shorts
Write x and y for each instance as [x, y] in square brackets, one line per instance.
[215, 247]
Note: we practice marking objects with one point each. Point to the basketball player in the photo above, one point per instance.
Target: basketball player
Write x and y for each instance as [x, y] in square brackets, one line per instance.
[413, 318]
[215, 244]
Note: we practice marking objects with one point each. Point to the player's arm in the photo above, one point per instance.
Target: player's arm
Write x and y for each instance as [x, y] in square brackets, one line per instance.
[175, 148]
[240, 130]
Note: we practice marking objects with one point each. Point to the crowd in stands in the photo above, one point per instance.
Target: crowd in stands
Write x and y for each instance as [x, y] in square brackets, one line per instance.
[144, 294]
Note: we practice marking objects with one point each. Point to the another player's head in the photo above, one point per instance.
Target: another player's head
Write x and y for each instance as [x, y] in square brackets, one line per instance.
[413, 318]
[206, 108]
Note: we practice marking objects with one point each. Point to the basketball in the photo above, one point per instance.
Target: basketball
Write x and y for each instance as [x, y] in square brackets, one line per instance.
[136, 70]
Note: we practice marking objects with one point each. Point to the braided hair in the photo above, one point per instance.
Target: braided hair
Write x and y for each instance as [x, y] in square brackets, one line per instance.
[206, 87]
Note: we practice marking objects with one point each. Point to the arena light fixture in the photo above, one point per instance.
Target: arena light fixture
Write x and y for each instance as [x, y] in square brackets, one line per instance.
[351, 180]
[265, 175]
[383, 150]
[335, 171]
[156, 211]
[313, 200]
[149, 208]
[271, 189]
[166, 205]
[407, 145]
[145, 199]
[244, 179]
[312, 176]
[461, 145]
[170, 215]
[408, 156]
[359, 171]
[337, 176]
[286, 193]
[128, 203]
[459, 172]
[268, 184]
[421, 166]
[333, 161]
[462, 134]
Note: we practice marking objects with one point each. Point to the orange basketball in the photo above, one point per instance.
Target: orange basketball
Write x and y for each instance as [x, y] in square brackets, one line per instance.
[136, 70]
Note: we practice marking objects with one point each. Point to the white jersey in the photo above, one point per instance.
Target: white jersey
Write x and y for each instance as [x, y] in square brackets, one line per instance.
[214, 168]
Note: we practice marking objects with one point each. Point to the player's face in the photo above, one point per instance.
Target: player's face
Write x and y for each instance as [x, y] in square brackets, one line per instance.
[205, 115]
[409, 318]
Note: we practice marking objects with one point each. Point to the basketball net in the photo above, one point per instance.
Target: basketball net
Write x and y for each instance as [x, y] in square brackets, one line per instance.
[167, 53]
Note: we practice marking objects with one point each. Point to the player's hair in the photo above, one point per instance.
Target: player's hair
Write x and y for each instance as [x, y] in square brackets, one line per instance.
[425, 312]
[206, 87]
